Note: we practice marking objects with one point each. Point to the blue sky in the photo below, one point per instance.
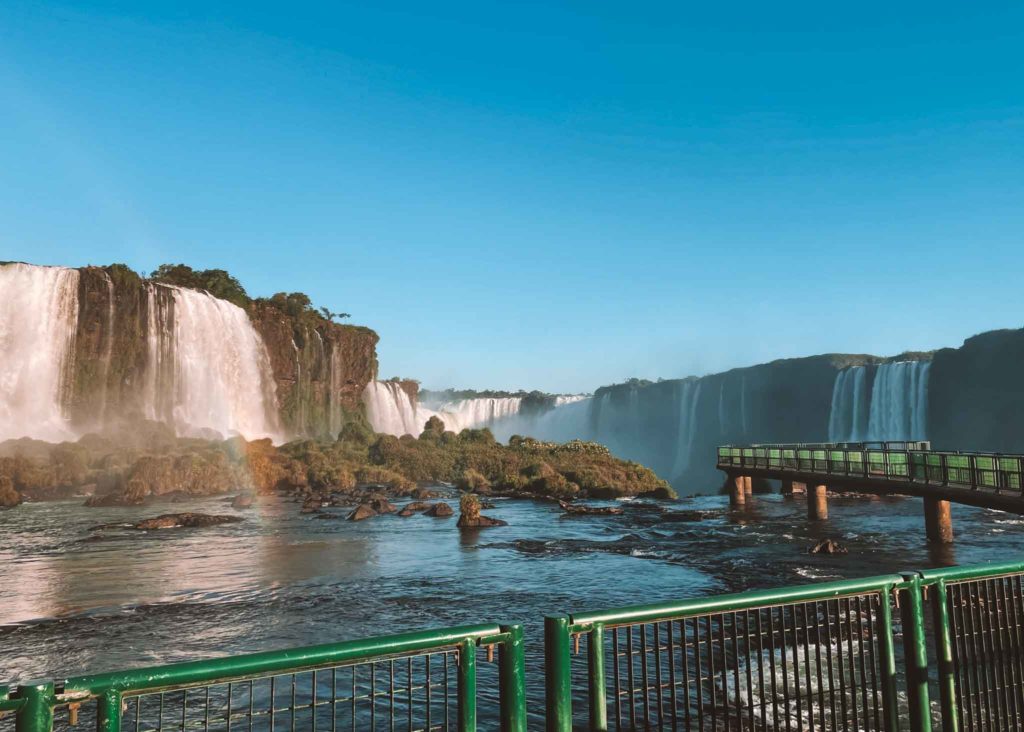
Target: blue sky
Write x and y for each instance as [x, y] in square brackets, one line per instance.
[539, 195]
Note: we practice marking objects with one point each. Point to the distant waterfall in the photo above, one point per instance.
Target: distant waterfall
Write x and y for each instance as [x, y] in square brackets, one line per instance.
[392, 411]
[899, 401]
[689, 398]
[477, 412]
[208, 368]
[893, 407]
[38, 319]
[572, 418]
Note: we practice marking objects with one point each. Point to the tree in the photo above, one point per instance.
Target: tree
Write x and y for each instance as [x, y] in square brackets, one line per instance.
[328, 315]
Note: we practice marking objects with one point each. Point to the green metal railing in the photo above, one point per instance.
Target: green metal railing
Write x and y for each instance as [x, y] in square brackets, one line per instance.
[414, 681]
[815, 657]
[978, 645]
[905, 461]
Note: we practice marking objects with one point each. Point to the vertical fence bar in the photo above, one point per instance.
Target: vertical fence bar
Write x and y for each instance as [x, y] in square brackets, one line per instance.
[512, 681]
[595, 661]
[557, 684]
[944, 657]
[886, 661]
[467, 686]
[108, 712]
[36, 713]
[916, 657]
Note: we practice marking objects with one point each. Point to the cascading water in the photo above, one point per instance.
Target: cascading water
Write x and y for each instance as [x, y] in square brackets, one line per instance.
[893, 407]
[689, 397]
[899, 401]
[38, 319]
[390, 410]
[208, 368]
[477, 412]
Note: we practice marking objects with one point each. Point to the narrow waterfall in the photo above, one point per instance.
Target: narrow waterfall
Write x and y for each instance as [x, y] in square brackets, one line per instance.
[688, 399]
[38, 318]
[392, 411]
[848, 417]
[899, 401]
[208, 368]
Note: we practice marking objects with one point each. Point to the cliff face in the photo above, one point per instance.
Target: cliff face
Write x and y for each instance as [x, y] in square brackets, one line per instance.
[976, 394]
[319, 368]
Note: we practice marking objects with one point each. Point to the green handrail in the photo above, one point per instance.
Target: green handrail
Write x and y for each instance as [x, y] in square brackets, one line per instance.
[34, 702]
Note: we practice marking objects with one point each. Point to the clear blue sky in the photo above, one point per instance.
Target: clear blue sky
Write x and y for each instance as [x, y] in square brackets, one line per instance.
[539, 195]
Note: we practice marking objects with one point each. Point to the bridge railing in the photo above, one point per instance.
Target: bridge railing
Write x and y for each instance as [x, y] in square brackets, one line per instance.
[414, 681]
[814, 657]
[907, 463]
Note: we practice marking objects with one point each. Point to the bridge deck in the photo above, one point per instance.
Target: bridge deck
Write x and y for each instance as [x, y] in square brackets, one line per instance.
[986, 480]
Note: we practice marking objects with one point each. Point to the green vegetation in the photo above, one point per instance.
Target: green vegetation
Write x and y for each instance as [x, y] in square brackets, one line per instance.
[215, 281]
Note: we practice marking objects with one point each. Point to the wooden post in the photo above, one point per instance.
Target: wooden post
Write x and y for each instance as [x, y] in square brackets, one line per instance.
[738, 491]
[938, 521]
[817, 502]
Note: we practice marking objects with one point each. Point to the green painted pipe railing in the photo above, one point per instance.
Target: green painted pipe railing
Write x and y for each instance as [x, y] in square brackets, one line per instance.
[819, 657]
[423, 680]
[814, 657]
[912, 462]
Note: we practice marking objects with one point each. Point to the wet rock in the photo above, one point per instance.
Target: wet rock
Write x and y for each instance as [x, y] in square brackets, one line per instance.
[440, 510]
[382, 505]
[578, 509]
[479, 522]
[423, 494]
[411, 509]
[242, 501]
[185, 520]
[9, 498]
[363, 511]
[827, 546]
[109, 500]
[694, 515]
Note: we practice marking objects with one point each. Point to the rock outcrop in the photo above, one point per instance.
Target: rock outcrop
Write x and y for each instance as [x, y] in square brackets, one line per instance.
[185, 520]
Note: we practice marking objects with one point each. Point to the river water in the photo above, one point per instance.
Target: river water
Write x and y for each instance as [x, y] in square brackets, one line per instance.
[74, 599]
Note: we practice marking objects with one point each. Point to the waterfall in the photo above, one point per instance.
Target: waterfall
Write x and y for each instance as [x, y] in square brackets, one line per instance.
[572, 418]
[899, 402]
[688, 398]
[38, 319]
[392, 411]
[848, 415]
[208, 368]
[477, 412]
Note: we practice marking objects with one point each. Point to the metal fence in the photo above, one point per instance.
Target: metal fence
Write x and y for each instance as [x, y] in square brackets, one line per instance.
[816, 657]
[853, 655]
[905, 461]
[415, 682]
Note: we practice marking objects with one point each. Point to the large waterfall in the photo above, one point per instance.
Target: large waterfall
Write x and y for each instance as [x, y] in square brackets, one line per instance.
[204, 370]
[893, 405]
[38, 319]
[208, 367]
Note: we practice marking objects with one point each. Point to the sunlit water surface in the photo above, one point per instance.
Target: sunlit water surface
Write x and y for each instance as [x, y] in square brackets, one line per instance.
[74, 599]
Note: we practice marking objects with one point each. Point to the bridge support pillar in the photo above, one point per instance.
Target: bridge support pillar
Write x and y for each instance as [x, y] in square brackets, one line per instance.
[817, 502]
[738, 490]
[938, 521]
[748, 485]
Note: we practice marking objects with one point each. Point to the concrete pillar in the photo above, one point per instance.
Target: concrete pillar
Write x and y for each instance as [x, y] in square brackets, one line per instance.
[938, 521]
[748, 485]
[738, 490]
[787, 488]
[817, 502]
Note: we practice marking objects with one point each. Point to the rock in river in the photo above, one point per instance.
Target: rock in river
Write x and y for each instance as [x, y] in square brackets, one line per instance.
[827, 546]
[440, 510]
[185, 520]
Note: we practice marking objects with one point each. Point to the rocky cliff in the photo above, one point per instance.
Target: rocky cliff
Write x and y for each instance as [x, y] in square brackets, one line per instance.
[124, 322]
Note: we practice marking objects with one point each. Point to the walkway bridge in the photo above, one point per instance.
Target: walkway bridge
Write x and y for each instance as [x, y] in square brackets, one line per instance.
[985, 480]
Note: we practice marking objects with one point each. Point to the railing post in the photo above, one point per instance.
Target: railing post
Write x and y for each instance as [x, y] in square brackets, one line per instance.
[887, 662]
[108, 712]
[944, 657]
[557, 684]
[36, 713]
[595, 661]
[915, 654]
[467, 686]
[512, 680]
